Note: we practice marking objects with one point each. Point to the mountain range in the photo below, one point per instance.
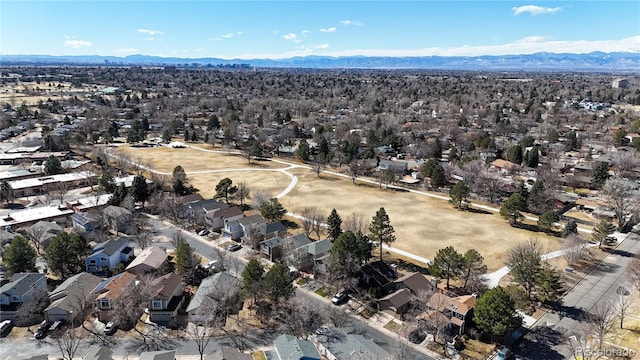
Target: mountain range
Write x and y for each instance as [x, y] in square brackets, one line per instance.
[595, 61]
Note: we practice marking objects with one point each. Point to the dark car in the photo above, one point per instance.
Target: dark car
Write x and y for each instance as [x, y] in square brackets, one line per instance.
[42, 330]
[234, 247]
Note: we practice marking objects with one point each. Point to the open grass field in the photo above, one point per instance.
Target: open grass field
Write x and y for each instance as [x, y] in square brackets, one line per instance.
[422, 224]
[31, 93]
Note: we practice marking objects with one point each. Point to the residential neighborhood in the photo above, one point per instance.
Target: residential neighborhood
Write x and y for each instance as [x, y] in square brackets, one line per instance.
[148, 216]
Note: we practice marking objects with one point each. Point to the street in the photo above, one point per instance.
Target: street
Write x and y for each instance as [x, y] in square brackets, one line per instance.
[547, 334]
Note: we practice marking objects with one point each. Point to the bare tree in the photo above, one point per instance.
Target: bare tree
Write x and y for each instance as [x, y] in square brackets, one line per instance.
[310, 215]
[201, 335]
[356, 223]
[68, 342]
[524, 260]
[338, 317]
[37, 234]
[575, 249]
[599, 321]
[354, 170]
[633, 272]
[301, 320]
[259, 198]
[242, 191]
[618, 194]
[623, 303]
[30, 312]
[624, 163]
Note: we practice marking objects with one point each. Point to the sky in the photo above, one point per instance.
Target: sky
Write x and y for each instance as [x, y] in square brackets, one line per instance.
[280, 29]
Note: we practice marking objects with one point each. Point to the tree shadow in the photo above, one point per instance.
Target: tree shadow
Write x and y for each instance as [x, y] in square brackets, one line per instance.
[602, 268]
[540, 343]
[289, 224]
[568, 311]
[474, 210]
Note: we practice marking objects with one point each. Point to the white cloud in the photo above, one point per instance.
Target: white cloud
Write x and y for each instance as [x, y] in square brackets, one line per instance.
[76, 44]
[350, 22]
[528, 45]
[239, 33]
[331, 29]
[227, 36]
[150, 32]
[535, 10]
[126, 51]
[289, 36]
[305, 32]
[321, 46]
[149, 38]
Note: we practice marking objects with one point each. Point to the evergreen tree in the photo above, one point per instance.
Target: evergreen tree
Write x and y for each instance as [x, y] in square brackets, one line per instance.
[65, 254]
[349, 252]
[459, 194]
[20, 256]
[6, 191]
[495, 313]
[438, 179]
[546, 220]
[107, 182]
[335, 222]
[272, 210]
[548, 285]
[447, 264]
[601, 233]
[514, 154]
[52, 166]
[600, 174]
[225, 188]
[570, 228]
[186, 260]
[381, 230]
[252, 279]
[278, 283]
[303, 152]
[140, 189]
[511, 208]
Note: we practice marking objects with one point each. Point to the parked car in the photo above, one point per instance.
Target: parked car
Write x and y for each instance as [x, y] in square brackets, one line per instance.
[42, 330]
[340, 297]
[213, 265]
[203, 232]
[234, 247]
[5, 327]
[110, 328]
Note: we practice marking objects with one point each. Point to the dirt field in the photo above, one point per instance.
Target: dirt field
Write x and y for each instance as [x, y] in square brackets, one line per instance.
[26, 92]
[423, 225]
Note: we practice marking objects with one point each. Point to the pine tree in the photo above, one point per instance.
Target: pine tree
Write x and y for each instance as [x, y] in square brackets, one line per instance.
[335, 225]
[381, 230]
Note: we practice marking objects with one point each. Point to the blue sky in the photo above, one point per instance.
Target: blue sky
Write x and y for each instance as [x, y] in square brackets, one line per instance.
[277, 29]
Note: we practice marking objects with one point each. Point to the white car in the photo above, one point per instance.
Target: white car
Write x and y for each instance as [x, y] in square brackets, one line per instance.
[212, 265]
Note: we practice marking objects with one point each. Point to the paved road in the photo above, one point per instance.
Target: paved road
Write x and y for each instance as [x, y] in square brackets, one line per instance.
[596, 287]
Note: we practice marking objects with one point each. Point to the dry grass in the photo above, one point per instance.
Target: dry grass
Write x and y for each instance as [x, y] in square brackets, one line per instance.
[422, 224]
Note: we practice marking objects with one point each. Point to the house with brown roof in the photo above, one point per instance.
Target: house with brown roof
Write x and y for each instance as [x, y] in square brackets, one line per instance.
[215, 219]
[109, 291]
[415, 282]
[458, 310]
[150, 260]
[398, 301]
[503, 166]
[167, 298]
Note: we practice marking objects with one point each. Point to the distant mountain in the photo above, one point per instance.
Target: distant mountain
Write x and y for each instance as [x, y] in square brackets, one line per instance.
[595, 61]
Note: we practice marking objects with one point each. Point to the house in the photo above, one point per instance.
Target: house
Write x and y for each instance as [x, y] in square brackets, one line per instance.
[198, 209]
[228, 353]
[167, 298]
[272, 248]
[274, 229]
[150, 260]
[310, 253]
[106, 256]
[415, 282]
[71, 297]
[295, 250]
[158, 355]
[109, 291]
[336, 344]
[398, 301]
[319, 251]
[236, 229]
[118, 218]
[394, 166]
[287, 347]
[98, 352]
[216, 219]
[86, 221]
[220, 287]
[378, 274]
[458, 310]
[44, 231]
[22, 288]
[503, 166]
[252, 227]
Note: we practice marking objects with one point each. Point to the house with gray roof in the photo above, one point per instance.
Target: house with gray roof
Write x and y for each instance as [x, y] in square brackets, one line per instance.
[69, 297]
[215, 219]
[44, 231]
[271, 249]
[22, 288]
[106, 256]
[98, 352]
[287, 347]
[213, 290]
[336, 344]
[228, 353]
[309, 254]
[150, 260]
[166, 299]
[118, 218]
[158, 355]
